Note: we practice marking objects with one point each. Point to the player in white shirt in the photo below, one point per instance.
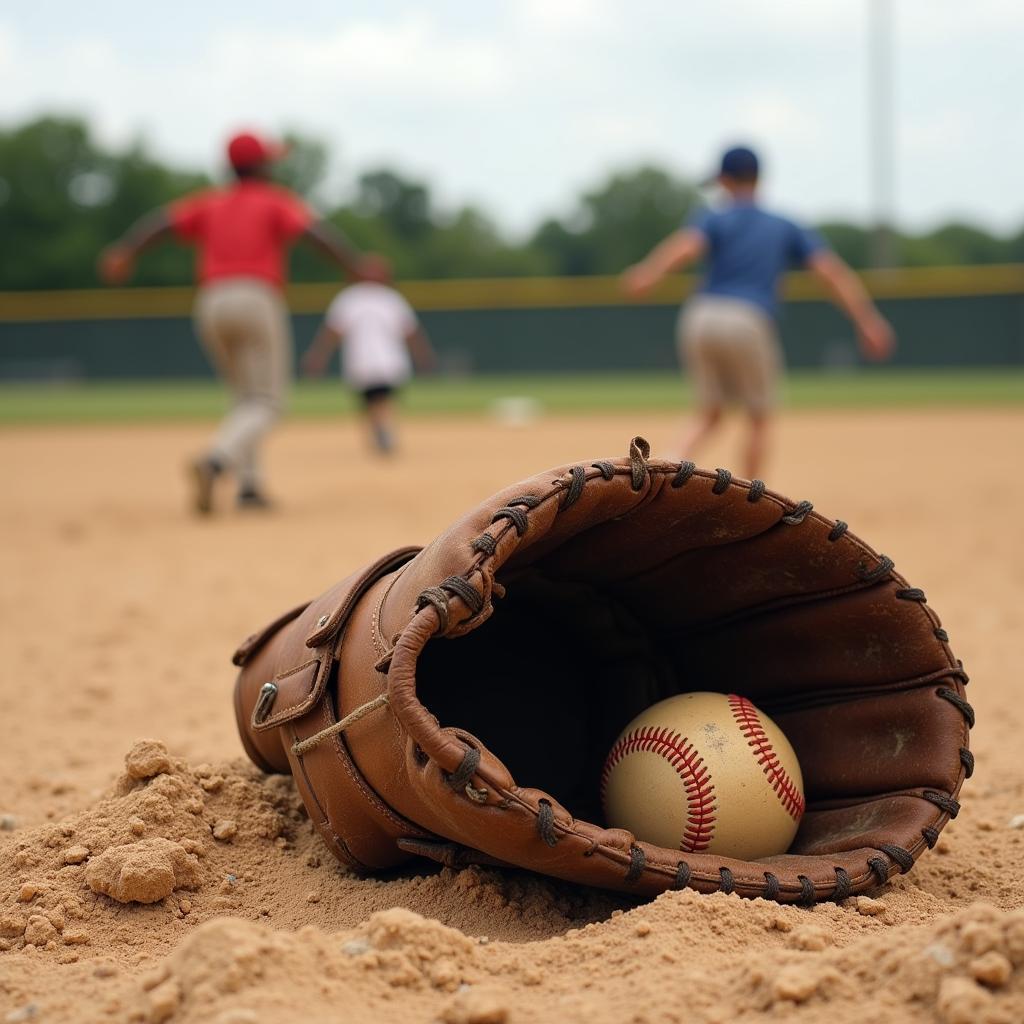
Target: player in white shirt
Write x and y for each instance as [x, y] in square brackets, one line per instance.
[378, 332]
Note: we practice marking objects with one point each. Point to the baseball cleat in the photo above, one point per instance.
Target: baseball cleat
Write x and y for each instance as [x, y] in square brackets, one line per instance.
[253, 499]
[204, 472]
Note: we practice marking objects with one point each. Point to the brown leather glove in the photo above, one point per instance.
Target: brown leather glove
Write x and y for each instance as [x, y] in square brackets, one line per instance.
[612, 585]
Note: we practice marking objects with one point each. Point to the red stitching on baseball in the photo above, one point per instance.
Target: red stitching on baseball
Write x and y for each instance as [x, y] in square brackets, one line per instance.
[750, 725]
[689, 766]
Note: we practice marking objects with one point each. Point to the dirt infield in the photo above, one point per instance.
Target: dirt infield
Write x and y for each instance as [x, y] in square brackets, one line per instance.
[120, 612]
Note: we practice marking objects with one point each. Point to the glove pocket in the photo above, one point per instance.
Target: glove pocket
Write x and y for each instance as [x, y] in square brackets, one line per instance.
[880, 743]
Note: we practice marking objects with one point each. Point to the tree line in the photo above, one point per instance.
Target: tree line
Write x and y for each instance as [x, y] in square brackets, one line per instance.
[64, 195]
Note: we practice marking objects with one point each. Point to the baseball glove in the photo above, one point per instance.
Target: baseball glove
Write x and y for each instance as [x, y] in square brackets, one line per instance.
[458, 702]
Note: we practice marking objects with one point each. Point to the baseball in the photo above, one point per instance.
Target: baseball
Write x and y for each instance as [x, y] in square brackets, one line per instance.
[705, 773]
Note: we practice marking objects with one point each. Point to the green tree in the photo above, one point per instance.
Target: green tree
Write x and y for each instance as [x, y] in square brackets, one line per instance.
[141, 183]
[632, 211]
[565, 249]
[403, 205]
[954, 243]
[469, 244]
[617, 222]
[1015, 248]
[850, 241]
[63, 197]
[47, 219]
[304, 167]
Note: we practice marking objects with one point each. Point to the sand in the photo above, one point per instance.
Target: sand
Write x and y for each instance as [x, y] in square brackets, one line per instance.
[149, 873]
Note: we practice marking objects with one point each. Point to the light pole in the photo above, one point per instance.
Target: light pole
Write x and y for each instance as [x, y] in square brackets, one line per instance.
[881, 145]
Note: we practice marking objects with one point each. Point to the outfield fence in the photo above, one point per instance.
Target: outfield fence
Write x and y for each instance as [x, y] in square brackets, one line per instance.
[944, 316]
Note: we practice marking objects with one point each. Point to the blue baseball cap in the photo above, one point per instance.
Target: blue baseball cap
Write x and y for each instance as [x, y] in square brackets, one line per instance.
[738, 162]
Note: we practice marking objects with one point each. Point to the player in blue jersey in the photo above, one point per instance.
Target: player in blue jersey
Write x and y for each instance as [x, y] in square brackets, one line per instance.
[727, 330]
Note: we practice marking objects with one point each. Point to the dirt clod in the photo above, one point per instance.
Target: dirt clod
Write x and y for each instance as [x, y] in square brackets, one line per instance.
[39, 930]
[146, 759]
[991, 969]
[142, 872]
[476, 1007]
[225, 830]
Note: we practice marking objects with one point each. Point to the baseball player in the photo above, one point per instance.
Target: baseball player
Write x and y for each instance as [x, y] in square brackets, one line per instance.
[242, 233]
[727, 331]
[378, 332]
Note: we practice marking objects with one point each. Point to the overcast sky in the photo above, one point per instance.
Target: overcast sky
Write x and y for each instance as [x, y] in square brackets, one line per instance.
[518, 105]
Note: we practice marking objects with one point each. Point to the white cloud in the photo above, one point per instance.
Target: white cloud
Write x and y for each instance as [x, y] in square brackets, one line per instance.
[947, 21]
[781, 118]
[7, 46]
[797, 19]
[519, 105]
[401, 58]
[565, 17]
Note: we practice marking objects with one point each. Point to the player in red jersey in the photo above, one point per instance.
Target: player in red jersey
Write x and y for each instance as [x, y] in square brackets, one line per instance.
[242, 233]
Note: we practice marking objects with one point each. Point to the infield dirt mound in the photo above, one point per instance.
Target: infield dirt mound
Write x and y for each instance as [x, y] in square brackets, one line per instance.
[398, 966]
[120, 614]
[160, 873]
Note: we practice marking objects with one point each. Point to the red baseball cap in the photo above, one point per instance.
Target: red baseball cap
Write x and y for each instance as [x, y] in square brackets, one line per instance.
[248, 150]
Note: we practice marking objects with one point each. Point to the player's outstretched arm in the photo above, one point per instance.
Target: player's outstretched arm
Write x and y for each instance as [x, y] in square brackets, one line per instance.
[680, 249]
[318, 355]
[847, 291]
[423, 355]
[328, 240]
[117, 261]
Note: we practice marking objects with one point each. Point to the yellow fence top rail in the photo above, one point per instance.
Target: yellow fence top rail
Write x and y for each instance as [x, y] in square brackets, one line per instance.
[504, 293]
